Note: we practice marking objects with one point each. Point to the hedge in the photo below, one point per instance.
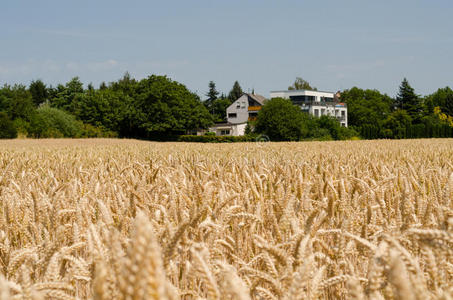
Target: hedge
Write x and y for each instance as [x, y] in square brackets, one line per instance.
[215, 139]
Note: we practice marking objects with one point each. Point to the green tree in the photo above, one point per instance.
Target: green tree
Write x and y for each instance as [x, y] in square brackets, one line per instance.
[336, 131]
[126, 84]
[219, 107]
[366, 106]
[442, 98]
[102, 108]
[165, 107]
[7, 128]
[16, 101]
[38, 91]
[397, 122]
[235, 92]
[280, 120]
[212, 95]
[65, 95]
[301, 84]
[409, 101]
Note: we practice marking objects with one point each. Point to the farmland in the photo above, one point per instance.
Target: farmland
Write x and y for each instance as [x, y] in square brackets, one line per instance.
[126, 219]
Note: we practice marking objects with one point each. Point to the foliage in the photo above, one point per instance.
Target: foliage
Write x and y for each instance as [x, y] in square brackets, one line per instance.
[333, 127]
[409, 101]
[7, 128]
[49, 122]
[397, 122]
[219, 107]
[64, 96]
[16, 101]
[38, 91]
[235, 92]
[366, 106]
[166, 107]
[280, 120]
[103, 108]
[442, 98]
[301, 84]
[212, 95]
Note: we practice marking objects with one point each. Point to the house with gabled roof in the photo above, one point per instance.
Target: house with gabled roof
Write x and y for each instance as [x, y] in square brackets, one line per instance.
[245, 108]
[242, 110]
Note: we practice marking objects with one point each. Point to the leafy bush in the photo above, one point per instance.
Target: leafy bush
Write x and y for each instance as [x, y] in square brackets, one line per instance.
[90, 131]
[7, 128]
[51, 122]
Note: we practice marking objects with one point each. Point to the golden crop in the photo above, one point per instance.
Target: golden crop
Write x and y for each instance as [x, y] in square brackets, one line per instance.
[122, 219]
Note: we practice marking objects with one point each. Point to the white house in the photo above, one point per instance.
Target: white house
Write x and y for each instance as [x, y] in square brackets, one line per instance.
[242, 110]
[317, 103]
[245, 108]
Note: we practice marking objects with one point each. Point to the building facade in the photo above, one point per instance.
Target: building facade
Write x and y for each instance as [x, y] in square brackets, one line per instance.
[245, 108]
[228, 129]
[317, 103]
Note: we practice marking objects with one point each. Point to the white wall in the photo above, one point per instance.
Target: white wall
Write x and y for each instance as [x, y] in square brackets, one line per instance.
[287, 94]
[328, 110]
[242, 113]
[235, 129]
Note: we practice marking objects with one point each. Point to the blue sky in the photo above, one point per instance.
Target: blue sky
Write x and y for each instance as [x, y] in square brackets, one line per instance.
[263, 44]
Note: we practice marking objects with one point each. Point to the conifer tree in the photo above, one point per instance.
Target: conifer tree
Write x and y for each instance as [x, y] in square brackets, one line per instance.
[408, 100]
[235, 92]
[212, 95]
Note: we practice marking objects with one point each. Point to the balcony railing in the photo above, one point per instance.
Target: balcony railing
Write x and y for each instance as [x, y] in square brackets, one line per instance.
[320, 103]
[254, 108]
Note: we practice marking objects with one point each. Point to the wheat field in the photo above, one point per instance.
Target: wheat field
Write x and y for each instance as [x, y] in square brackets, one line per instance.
[124, 219]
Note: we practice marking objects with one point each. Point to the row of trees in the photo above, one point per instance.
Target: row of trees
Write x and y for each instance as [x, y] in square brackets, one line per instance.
[408, 115]
[153, 108]
[159, 108]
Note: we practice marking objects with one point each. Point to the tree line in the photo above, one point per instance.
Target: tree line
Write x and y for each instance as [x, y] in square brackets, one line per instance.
[159, 108]
[408, 115]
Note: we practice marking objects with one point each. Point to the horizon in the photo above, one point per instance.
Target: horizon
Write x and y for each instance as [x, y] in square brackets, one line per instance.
[263, 45]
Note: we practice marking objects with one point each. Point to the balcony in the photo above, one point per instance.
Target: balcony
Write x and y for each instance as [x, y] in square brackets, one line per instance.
[254, 108]
[321, 103]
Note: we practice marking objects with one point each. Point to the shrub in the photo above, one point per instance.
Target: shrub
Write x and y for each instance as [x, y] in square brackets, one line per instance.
[49, 122]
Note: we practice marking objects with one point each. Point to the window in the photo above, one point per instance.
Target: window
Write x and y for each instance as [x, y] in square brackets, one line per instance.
[343, 113]
[253, 115]
[326, 99]
[323, 111]
[225, 132]
[299, 100]
[232, 115]
[316, 111]
[243, 104]
[238, 104]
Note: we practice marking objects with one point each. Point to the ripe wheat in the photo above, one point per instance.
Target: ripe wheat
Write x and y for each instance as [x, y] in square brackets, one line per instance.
[123, 219]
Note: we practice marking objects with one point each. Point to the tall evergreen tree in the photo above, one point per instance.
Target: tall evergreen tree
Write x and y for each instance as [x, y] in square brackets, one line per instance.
[38, 91]
[235, 92]
[408, 100]
[212, 95]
